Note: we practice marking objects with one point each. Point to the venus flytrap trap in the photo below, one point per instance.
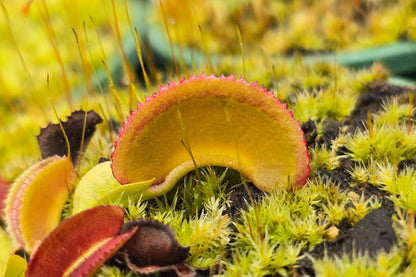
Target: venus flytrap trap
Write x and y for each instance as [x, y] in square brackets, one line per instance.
[93, 240]
[31, 211]
[213, 141]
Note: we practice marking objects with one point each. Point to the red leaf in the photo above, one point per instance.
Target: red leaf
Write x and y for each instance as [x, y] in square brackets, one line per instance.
[106, 251]
[75, 238]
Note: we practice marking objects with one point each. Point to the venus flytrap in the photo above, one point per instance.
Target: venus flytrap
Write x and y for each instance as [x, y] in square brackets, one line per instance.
[36, 199]
[81, 244]
[225, 108]
[300, 217]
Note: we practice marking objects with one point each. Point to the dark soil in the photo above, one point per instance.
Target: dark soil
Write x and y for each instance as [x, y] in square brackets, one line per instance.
[239, 199]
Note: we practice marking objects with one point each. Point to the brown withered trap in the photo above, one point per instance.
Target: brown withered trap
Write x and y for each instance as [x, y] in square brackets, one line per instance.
[154, 249]
[78, 130]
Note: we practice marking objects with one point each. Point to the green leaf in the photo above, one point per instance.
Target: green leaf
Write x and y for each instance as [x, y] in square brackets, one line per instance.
[98, 187]
[16, 266]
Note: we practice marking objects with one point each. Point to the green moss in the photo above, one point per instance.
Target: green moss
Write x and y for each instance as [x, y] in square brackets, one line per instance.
[382, 142]
[111, 271]
[324, 158]
[400, 185]
[360, 207]
[318, 105]
[385, 264]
